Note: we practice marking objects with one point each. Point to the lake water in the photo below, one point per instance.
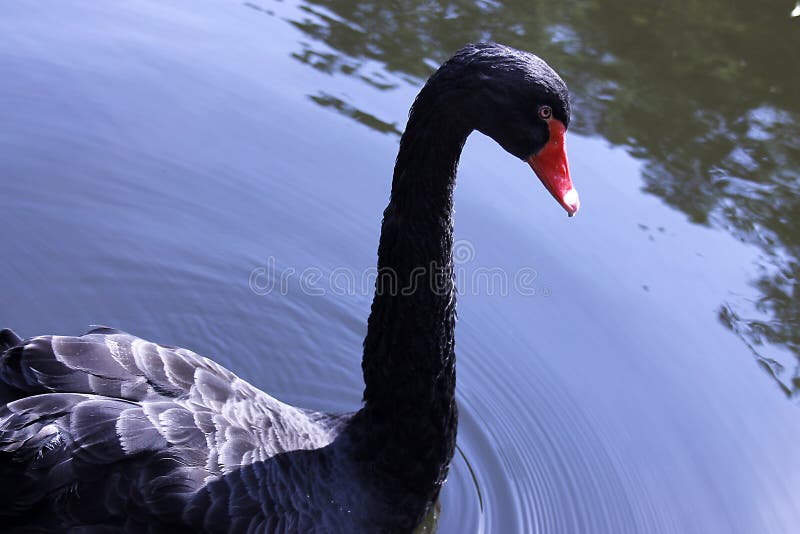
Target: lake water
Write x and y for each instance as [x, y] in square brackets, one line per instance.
[162, 163]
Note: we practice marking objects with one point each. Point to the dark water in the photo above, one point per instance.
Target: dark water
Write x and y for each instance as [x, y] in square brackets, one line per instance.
[164, 165]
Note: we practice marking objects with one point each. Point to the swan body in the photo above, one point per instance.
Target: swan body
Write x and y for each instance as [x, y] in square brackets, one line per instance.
[110, 432]
[165, 423]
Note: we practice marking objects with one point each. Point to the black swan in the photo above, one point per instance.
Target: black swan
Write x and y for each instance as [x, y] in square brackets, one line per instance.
[110, 432]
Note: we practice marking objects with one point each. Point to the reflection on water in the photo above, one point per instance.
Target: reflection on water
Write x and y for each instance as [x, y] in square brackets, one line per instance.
[330, 101]
[149, 165]
[705, 94]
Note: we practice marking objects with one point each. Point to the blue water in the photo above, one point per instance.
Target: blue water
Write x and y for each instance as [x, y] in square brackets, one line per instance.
[155, 155]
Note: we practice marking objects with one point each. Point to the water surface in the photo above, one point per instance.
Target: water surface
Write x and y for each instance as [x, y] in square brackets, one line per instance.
[155, 157]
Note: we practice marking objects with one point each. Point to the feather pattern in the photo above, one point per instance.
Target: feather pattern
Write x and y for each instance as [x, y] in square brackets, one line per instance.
[108, 427]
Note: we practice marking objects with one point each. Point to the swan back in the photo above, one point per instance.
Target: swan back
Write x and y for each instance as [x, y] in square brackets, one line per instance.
[141, 430]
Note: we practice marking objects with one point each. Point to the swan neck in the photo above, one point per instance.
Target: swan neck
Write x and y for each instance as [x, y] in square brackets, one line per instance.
[409, 359]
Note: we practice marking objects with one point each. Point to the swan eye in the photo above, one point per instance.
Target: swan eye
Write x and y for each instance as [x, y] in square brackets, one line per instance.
[545, 112]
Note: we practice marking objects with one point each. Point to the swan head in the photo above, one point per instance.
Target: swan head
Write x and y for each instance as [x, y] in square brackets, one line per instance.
[518, 100]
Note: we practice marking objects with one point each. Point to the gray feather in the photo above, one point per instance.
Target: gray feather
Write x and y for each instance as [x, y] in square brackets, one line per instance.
[147, 434]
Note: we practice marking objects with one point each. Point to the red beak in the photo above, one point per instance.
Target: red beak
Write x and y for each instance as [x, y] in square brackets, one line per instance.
[551, 166]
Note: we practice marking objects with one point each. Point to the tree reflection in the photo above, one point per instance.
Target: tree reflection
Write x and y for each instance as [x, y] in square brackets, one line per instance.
[704, 93]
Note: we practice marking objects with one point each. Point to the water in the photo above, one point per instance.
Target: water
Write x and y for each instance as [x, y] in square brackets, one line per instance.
[159, 159]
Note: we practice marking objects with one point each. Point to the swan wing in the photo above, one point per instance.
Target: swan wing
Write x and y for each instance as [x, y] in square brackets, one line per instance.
[108, 362]
[115, 364]
[130, 421]
[91, 459]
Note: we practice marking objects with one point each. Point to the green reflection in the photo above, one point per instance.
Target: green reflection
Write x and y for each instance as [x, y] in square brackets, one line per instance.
[330, 101]
[704, 93]
[431, 521]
